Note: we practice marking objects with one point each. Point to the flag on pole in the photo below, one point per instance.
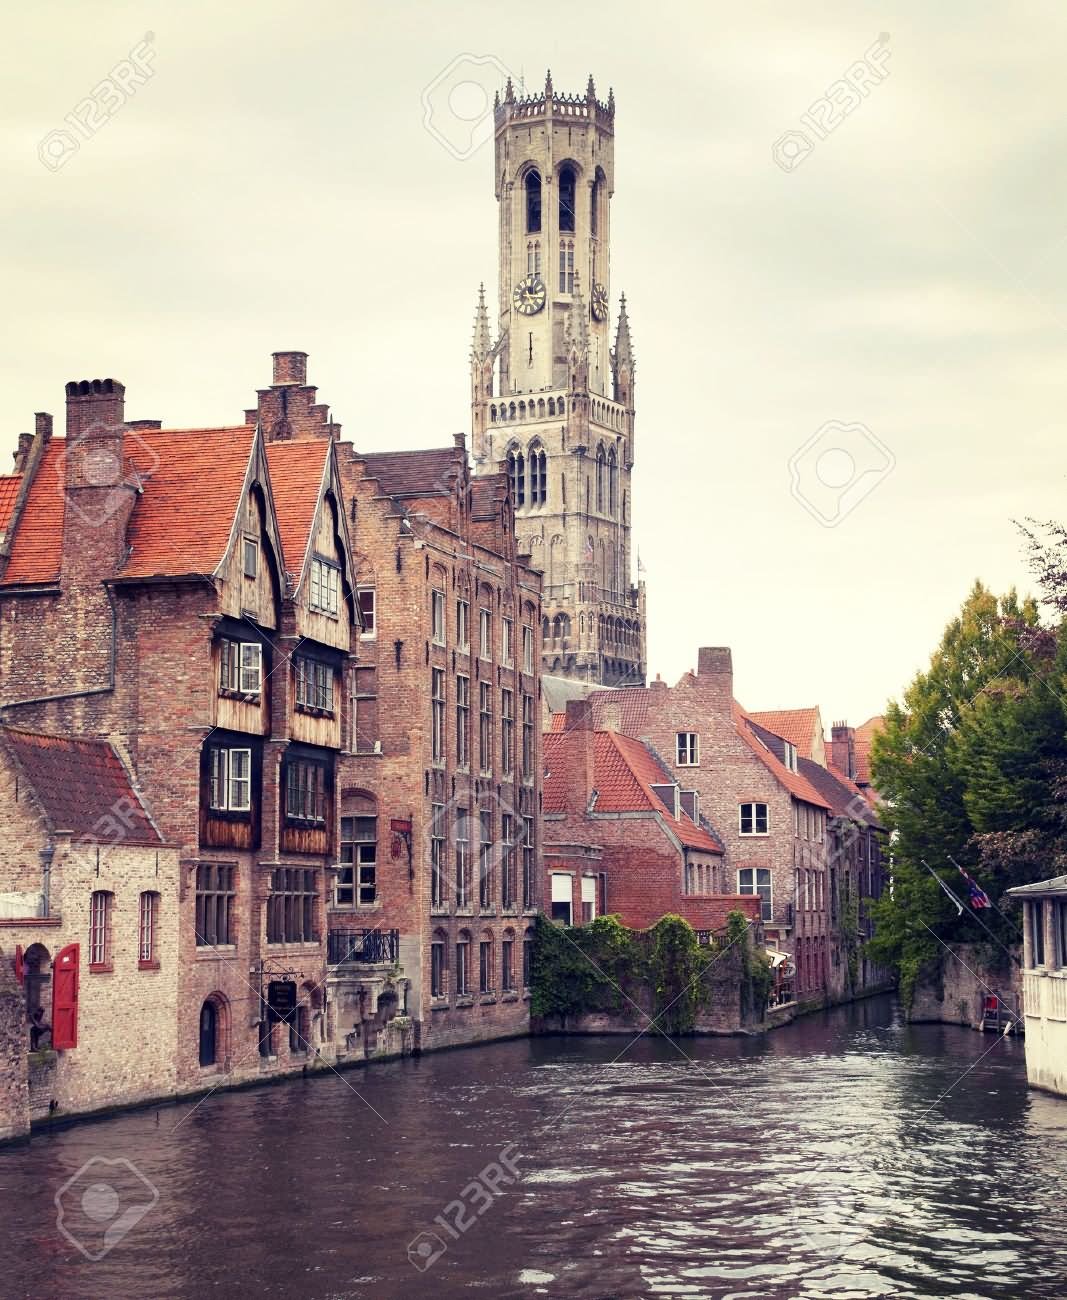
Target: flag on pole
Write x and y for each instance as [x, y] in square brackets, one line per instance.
[979, 898]
[959, 905]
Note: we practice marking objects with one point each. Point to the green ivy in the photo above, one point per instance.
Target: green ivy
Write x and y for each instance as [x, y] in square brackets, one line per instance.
[757, 972]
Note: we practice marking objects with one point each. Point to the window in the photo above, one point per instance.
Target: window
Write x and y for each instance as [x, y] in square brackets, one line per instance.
[437, 714]
[1036, 912]
[507, 963]
[753, 819]
[589, 884]
[240, 667]
[209, 1033]
[688, 749]
[148, 927]
[507, 861]
[463, 720]
[356, 880]
[366, 598]
[485, 966]
[251, 557]
[527, 648]
[516, 466]
[463, 625]
[305, 790]
[485, 859]
[485, 634]
[100, 930]
[532, 186]
[437, 855]
[325, 590]
[437, 617]
[507, 629]
[364, 721]
[538, 478]
[613, 483]
[231, 779]
[566, 266]
[291, 905]
[507, 731]
[789, 755]
[314, 684]
[561, 897]
[756, 880]
[566, 198]
[533, 257]
[463, 858]
[527, 737]
[527, 863]
[437, 966]
[463, 964]
[527, 958]
[601, 478]
[485, 727]
[215, 895]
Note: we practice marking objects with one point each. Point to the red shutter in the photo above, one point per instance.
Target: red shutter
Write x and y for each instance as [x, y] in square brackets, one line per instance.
[65, 997]
[20, 965]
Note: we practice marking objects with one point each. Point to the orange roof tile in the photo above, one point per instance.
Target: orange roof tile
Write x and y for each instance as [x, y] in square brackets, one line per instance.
[9, 490]
[38, 543]
[864, 737]
[797, 785]
[297, 469]
[798, 726]
[623, 772]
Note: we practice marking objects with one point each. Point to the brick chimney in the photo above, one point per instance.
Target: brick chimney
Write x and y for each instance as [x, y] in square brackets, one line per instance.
[93, 403]
[290, 367]
[610, 716]
[25, 443]
[581, 754]
[715, 676]
[287, 409]
[843, 748]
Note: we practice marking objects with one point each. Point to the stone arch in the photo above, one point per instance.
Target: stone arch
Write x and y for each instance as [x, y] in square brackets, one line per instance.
[214, 1030]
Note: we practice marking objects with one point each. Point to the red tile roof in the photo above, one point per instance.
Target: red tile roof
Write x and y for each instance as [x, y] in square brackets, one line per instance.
[631, 701]
[864, 736]
[9, 490]
[413, 473]
[38, 542]
[796, 784]
[297, 471]
[83, 787]
[844, 797]
[485, 492]
[623, 773]
[798, 726]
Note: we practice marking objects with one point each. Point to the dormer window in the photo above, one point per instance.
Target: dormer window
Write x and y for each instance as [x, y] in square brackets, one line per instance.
[789, 756]
[324, 593]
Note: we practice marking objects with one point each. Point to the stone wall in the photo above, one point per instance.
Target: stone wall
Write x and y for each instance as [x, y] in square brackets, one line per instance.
[952, 989]
[14, 1090]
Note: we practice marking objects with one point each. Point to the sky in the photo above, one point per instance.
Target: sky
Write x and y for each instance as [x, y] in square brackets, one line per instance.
[841, 229]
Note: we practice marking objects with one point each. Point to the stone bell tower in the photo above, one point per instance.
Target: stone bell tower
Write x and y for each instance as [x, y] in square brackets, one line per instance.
[551, 401]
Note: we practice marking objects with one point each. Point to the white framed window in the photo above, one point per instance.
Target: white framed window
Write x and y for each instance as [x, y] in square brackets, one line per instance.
[752, 819]
[231, 779]
[688, 749]
[789, 755]
[324, 592]
[527, 648]
[463, 720]
[314, 684]
[485, 634]
[561, 897]
[757, 880]
[437, 714]
[240, 667]
[359, 855]
[437, 616]
[463, 625]
[588, 899]
[507, 637]
[368, 608]
[250, 557]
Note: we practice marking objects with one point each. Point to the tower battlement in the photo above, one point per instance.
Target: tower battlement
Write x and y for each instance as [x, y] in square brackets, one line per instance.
[550, 103]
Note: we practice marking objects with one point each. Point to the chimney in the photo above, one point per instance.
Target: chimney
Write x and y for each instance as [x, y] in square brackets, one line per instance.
[25, 443]
[459, 440]
[582, 753]
[42, 423]
[715, 676]
[144, 424]
[290, 368]
[843, 748]
[610, 716]
[94, 404]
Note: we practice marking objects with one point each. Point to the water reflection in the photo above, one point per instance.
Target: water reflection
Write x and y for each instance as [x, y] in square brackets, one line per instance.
[822, 1160]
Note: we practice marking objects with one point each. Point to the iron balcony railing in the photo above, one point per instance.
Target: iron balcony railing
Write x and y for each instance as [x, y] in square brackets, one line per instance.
[362, 947]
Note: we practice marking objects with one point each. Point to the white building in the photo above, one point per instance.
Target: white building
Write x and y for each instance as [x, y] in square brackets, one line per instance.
[1045, 981]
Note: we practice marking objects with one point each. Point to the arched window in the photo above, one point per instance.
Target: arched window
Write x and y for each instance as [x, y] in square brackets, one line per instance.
[545, 628]
[566, 265]
[527, 955]
[212, 1030]
[600, 478]
[438, 965]
[594, 206]
[533, 202]
[552, 406]
[492, 413]
[540, 408]
[566, 198]
[538, 477]
[613, 480]
[486, 964]
[463, 963]
[100, 929]
[148, 930]
[561, 407]
[356, 880]
[516, 464]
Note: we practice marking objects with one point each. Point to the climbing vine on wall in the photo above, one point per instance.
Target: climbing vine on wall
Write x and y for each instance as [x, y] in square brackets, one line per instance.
[757, 975]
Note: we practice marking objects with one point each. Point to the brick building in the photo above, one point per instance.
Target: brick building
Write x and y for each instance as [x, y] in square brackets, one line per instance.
[188, 594]
[88, 926]
[622, 836]
[443, 769]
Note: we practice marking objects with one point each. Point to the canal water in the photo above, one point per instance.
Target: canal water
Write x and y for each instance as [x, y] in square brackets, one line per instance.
[846, 1155]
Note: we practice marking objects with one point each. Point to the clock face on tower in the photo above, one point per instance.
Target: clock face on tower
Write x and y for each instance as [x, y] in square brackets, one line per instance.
[598, 302]
[529, 295]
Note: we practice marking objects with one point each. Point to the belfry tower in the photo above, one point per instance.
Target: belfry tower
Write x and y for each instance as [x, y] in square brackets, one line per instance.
[551, 401]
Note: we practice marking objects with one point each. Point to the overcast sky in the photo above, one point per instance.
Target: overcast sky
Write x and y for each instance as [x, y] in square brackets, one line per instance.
[273, 186]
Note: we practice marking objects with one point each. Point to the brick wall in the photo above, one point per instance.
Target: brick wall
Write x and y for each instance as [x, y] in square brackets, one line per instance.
[14, 1094]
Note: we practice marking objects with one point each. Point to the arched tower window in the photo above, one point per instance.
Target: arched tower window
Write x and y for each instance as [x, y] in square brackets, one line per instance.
[613, 481]
[566, 266]
[600, 478]
[533, 202]
[566, 198]
[594, 204]
[517, 475]
[538, 476]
